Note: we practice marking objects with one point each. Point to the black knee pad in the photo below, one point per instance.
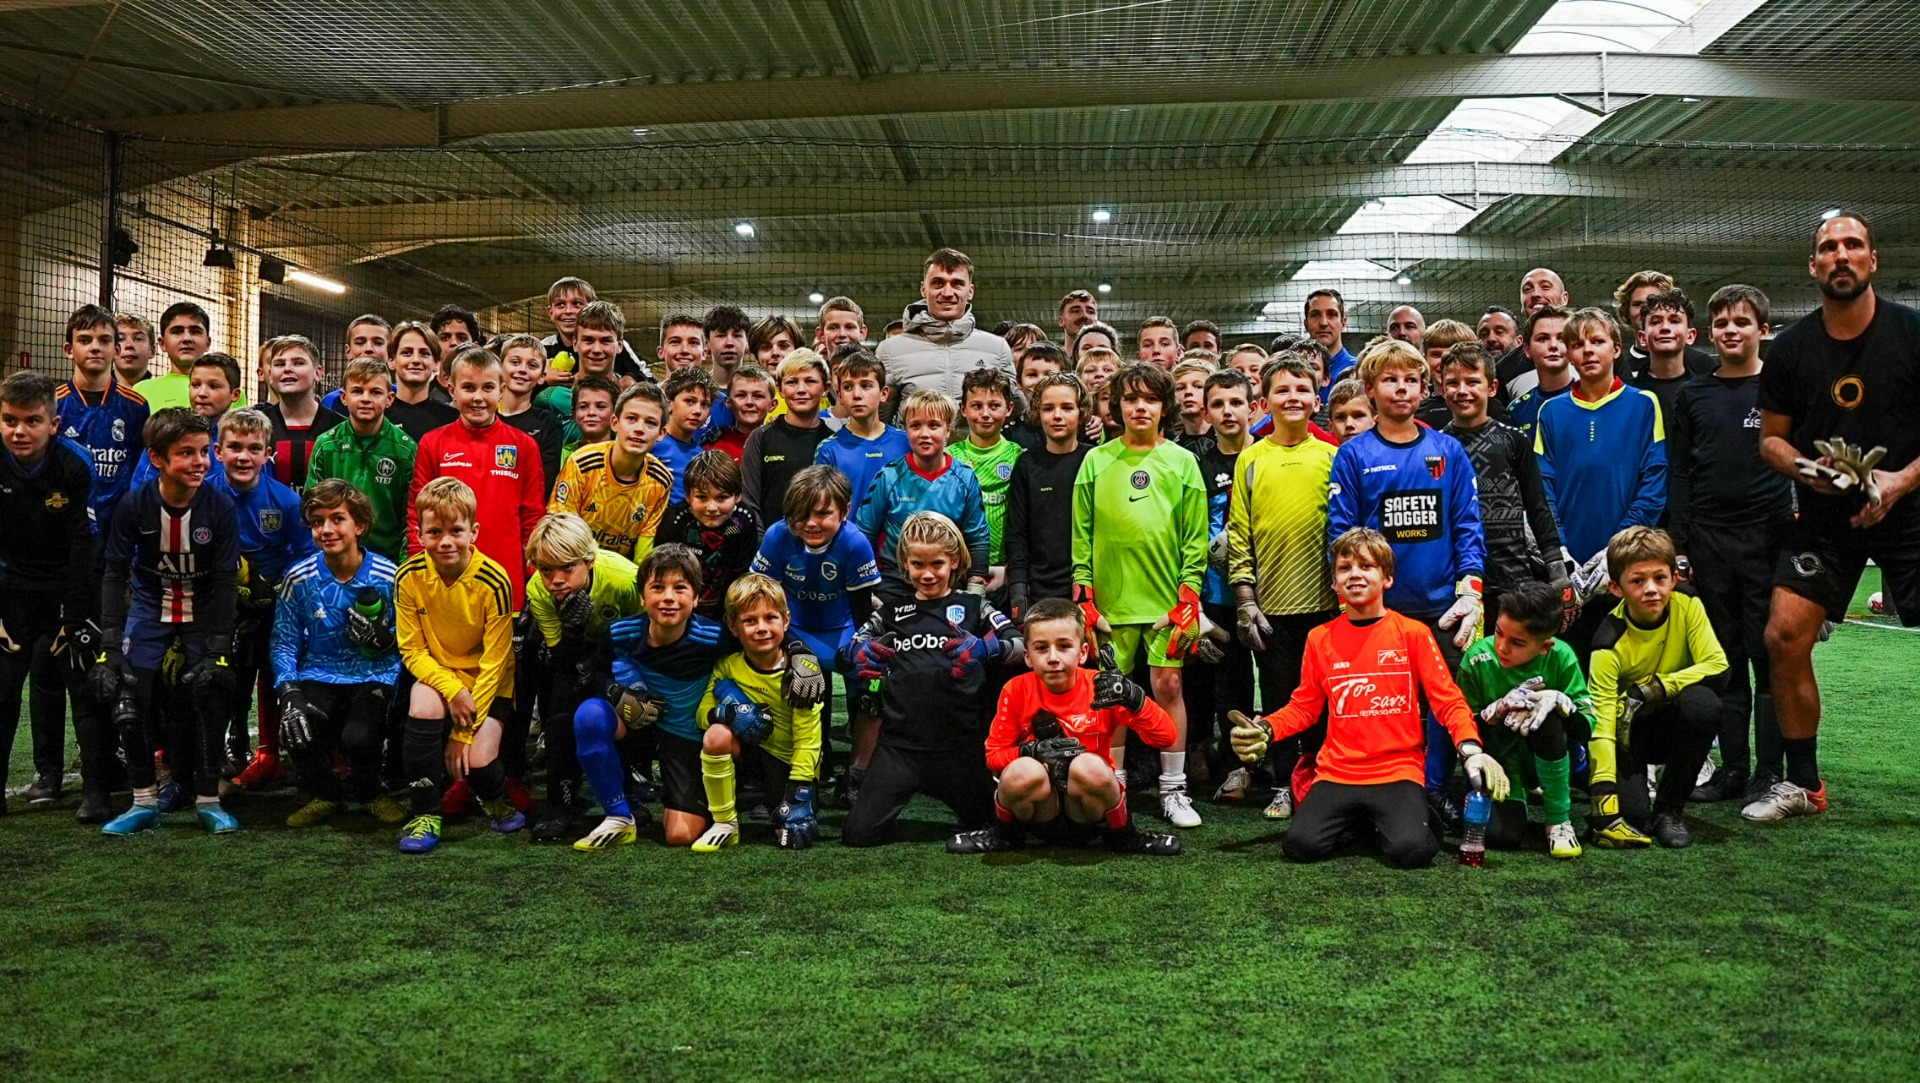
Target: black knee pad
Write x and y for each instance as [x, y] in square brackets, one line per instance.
[1549, 742]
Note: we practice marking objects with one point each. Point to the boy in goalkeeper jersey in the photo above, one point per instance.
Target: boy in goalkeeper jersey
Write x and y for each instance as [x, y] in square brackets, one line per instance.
[335, 657]
[750, 723]
[662, 662]
[1369, 669]
[1049, 744]
[578, 590]
[1657, 670]
[1526, 689]
[927, 478]
[929, 652]
[454, 607]
[1140, 529]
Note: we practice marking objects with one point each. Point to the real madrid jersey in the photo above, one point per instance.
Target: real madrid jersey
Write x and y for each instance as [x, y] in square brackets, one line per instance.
[108, 424]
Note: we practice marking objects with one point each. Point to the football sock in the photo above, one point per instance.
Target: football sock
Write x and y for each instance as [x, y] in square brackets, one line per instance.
[1000, 812]
[147, 795]
[488, 782]
[203, 799]
[1117, 817]
[1173, 771]
[593, 728]
[423, 754]
[1556, 802]
[716, 773]
[1803, 763]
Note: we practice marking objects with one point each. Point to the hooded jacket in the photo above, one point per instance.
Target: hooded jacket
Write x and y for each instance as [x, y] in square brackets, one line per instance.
[937, 354]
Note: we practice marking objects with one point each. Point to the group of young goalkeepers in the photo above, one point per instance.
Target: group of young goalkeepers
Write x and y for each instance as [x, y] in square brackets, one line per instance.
[414, 604]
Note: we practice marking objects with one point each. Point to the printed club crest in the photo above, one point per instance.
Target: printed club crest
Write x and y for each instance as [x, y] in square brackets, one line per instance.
[270, 520]
[506, 457]
[1141, 479]
[1437, 466]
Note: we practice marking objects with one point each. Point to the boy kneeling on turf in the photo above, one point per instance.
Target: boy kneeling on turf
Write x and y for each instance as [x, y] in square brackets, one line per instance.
[455, 617]
[750, 722]
[335, 656]
[1368, 669]
[1051, 740]
[1656, 667]
[1525, 687]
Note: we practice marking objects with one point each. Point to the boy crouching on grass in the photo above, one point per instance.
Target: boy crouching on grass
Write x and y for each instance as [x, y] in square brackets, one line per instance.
[1368, 669]
[1525, 687]
[454, 609]
[1050, 744]
[751, 723]
[1657, 668]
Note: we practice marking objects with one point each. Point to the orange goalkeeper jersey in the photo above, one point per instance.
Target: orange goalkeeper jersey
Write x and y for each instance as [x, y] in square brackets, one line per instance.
[1370, 679]
[1024, 697]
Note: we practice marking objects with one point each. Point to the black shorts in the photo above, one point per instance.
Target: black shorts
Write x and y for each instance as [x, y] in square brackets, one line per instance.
[1823, 559]
[681, 787]
[772, 772]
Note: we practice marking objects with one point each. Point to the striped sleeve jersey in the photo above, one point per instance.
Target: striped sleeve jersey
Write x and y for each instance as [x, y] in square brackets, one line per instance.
[457, 634]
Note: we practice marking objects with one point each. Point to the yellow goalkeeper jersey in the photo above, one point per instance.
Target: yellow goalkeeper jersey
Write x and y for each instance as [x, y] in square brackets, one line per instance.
[795, 739]
[457, 635]
[1277, 525]
[623, 513]
[1681, 650]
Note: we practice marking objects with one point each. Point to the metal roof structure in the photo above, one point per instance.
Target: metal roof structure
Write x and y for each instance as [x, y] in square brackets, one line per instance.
[474, 152]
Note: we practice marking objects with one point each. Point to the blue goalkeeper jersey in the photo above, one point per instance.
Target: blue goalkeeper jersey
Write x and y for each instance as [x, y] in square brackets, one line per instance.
[899, 490]
[1423, 496]
[860, 459]
[677, 672]
[818, 582]
[272, 534]
[108, 424]
[310, 624]
[1604, 464]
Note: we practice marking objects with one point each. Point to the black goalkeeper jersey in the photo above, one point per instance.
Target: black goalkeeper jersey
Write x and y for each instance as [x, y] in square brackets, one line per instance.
[1514, 512]
[1038, 540]
[725, 551]
[1716, 478]
[924, 708]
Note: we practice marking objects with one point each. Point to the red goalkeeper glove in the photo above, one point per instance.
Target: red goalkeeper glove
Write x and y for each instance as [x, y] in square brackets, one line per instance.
[1185, 618]
[1083, 597]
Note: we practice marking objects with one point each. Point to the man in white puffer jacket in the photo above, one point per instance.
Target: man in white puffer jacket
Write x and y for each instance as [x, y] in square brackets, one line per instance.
[940, 344]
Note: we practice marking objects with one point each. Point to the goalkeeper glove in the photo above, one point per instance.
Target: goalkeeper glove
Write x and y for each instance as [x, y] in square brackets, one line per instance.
[1083, 597]
[110, 673]
[805, 686]
[634, 705]
[79, 644]
[1055, 753]
[1560, 578]
[795, 827]
[1648, 695]
[1518, 700]
[1217, 553]
[254, 592]
[1111, 688]
[1590, 579]
[1249, 736]
[1185, 619]
[575, 612]
[749, 721]
[370, 622]
[1484, 773]
[1254, 628]
[1019, 597]
[1855, 464]
[298, 718]
[1546, 704]
[1465, 611]
[872, 657]
[967, 653]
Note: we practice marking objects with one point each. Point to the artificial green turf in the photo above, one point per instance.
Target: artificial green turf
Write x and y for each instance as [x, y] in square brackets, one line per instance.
[1773, 950]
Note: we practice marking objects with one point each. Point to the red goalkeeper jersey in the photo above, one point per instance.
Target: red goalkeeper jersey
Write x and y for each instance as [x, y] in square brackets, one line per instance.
[1025, 696]
[502, 466]
[1370, 679]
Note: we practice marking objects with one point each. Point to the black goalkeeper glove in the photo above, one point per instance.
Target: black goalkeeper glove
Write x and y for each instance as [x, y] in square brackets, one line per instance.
[576, 613]
[1111, 687]
[298, 718]
[1056, 754]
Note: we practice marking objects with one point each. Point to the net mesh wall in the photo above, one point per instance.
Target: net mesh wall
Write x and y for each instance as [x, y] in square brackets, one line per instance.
[1230, 213]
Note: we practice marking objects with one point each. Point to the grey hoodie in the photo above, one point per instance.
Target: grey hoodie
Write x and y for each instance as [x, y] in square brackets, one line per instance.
[936, 354]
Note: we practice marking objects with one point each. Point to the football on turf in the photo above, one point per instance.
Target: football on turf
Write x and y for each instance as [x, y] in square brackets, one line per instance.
[1876, 603]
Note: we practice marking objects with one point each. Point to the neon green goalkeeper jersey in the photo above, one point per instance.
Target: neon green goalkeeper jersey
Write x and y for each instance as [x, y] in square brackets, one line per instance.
[1139, 529]
[795, 740]
[1484, 680]
[614, 591]
[994, 467]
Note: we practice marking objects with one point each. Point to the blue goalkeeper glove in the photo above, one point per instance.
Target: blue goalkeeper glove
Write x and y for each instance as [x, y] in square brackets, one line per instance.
[795, 826]
[968, 653]
[749, 721]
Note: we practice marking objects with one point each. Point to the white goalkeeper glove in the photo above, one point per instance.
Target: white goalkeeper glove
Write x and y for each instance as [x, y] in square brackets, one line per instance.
[1545, 704]
[1590, 579]
[1518, 700]
[1465, 612]
[1484, 772]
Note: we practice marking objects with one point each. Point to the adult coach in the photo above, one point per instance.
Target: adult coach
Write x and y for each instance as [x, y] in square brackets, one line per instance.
[940, 344]
[1539, 288]
[1849, 370]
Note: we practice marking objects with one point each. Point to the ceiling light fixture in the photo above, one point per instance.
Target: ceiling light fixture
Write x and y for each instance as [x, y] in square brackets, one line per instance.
[1101, 214]
[816, 297]
[218, 255]
[1105, 287]
[315, 282]
[1830, 214]
[744, 229]
[272, 270]
[1403, 279]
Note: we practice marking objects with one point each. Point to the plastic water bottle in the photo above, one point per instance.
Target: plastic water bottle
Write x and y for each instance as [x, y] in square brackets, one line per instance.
[368, 603]
[1473, 847]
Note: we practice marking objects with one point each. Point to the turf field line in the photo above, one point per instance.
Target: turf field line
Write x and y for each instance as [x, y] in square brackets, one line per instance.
[1882, 627]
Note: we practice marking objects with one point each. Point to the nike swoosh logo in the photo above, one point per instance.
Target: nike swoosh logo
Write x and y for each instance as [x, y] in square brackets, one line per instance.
[1133, 499]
